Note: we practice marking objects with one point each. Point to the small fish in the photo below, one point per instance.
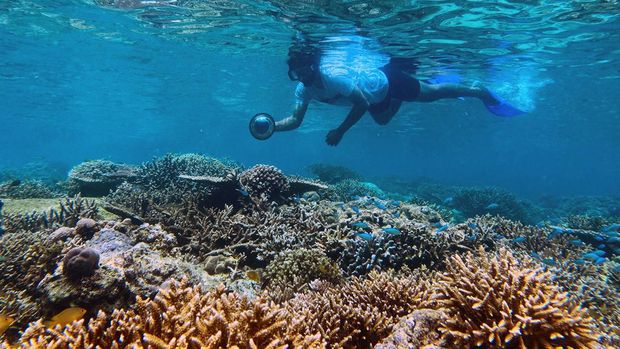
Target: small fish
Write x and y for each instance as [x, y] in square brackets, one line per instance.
[243, 192]
[442, 228]
[380, 205]
[549, 261]
[601, 246]
[355, 209]
[395, 203]
[519, 239]
[599, 253]
[617, 267]
[5, 323]
[613, 227]
[396, 214]
[360, 225]
[591, 256]
[448, 201]
[437, 225]
[471, 237]
[577, 242]
[296, 199]
[599, 238]
[536, 255]
[472, 225]
[391, 231]
[254, 275]
[613, 240]
[600, 260]
[579, 261]
[65, 317]
[356, 197]
[364, 236]
[492, 206]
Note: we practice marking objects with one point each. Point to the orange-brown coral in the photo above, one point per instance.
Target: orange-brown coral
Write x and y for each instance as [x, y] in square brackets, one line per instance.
[178, 317]
[359, 313]
[499, 302]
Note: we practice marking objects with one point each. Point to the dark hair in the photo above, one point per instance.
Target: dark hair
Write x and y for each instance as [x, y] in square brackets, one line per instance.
[302, 56]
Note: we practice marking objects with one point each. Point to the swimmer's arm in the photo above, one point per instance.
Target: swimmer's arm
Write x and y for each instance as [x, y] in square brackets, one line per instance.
[292, 122]
[360, 106]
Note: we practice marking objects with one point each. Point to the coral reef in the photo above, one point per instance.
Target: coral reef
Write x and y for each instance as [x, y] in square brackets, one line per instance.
[28, 189]
[501, 302]
[179, 317]
[98, 177]
[479, 201]
[415, 330]
[333, 174]
[292, 270]
[263, 181]
[359, 313]
[350, 189]
[69, 211]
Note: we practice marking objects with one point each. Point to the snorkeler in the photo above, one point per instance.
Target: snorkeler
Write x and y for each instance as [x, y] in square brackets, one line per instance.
[379, 91]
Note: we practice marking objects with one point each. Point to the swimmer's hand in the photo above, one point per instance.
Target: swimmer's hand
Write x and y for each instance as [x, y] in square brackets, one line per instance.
[333, 137]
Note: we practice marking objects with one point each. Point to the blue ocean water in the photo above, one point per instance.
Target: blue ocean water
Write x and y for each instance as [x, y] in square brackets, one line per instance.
[129, 80]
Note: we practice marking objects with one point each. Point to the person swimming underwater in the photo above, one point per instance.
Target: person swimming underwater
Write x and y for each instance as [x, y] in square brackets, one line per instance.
[379, 91]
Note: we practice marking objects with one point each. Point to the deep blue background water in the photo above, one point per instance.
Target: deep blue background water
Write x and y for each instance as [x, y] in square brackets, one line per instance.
[80, 82]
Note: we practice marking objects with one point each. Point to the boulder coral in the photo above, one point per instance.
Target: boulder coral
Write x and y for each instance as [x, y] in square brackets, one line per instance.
[80, 262]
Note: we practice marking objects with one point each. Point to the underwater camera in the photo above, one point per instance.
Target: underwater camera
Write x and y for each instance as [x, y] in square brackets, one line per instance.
[262, 126]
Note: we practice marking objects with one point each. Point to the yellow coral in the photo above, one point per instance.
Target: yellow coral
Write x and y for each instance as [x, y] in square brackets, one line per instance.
[501, 303]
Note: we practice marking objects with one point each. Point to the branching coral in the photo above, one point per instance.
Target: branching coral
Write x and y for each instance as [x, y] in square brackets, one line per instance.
[69, 212]
[28, 189]
[500, 302]
[180, 317]
[359, 313]
[478, 201]
[333, 173]
[292, 270]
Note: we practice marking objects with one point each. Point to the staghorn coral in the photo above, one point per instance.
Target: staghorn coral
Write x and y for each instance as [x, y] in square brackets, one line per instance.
[179, 317]
[500, 302]
[415, 330]
[292, 270]
[69, 212]
[359, 313]
[586, 222]
[264, 181]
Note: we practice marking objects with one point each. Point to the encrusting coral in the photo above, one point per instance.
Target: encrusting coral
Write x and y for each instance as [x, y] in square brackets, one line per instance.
[500, 302]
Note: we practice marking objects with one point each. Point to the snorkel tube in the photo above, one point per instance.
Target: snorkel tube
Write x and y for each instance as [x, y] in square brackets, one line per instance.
[262, 126]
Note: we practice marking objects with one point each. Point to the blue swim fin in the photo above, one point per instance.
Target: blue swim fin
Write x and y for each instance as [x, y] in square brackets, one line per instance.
[502, 108]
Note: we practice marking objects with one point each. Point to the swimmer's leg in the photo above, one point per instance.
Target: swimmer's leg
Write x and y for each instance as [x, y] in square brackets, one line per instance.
[433, 92]
[383, 117]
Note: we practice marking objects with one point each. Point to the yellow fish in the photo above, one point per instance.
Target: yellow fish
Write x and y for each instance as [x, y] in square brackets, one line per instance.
[5, 323]
[254, 275]
[65, 317]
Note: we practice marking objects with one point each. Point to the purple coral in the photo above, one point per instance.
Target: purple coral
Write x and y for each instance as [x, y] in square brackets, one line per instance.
[264, 181]
[80, 262]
